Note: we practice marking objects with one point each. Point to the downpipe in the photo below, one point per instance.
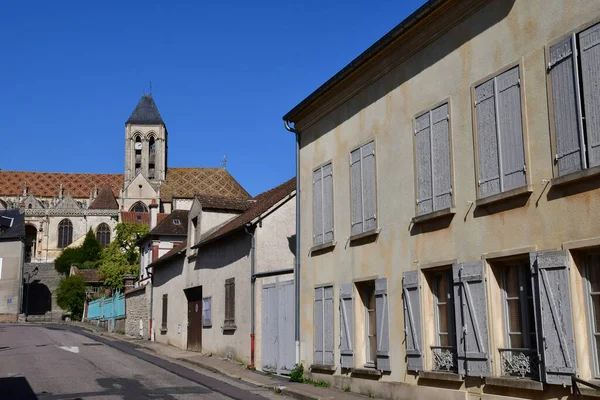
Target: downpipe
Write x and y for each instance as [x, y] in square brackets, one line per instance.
[252, 282]
[151, 275]
[297, 268]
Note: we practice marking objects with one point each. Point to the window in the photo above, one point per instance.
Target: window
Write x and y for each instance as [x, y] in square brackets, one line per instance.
[517, 358]
[65, 233]
[165, 306]
[323, 205]
[176, 222]
[444, 349]
[206, 313]
[103, 234]
[229, 303]
[0, 267]
[323, 325]
[432, 160]
[370, 324]
[574, 82]
[151, 157]
[593, 294]
[499, 134]
[139, 207]
[138, 155]
[363, 189]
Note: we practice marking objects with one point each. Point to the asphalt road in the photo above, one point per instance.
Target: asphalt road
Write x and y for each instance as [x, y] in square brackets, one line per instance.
[56, 362]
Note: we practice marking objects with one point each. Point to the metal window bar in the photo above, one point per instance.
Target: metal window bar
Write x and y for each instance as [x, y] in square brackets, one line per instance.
[444, 358]
[519, 362]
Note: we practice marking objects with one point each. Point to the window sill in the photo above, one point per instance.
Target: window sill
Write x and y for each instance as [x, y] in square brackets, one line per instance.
[575, 176]
[322, 368]
[228, 328]
[521, 191]
[358, 236]
[365, 371]
[206, 326]
[441, 376]
[163, 331]
[323, 246]
[434, 215]
[515, 383]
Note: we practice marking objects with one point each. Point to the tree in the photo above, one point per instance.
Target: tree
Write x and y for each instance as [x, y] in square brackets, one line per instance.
[122, 256]
[70, 295]
[85, 256]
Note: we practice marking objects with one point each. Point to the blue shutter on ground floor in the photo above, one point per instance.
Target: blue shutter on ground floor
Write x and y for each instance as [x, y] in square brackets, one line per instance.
[470, 302]
[347, 325]
[328, 325]
[318, 324]
[412, 320]
[383, 325]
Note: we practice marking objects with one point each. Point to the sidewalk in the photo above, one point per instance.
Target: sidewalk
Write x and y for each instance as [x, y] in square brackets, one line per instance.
[300, 391]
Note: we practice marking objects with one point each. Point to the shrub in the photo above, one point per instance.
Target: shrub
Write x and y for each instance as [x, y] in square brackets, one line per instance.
[70, 295]
[297, 374]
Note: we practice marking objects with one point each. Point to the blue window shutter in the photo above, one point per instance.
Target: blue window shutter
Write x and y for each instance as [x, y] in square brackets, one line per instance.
[317, 207]
[564, 99]
[412, 320]
[511, 129]
[369, 187]
[424, 182]
[356, 189]
[487, 141]
[589, 41]
[327, 203]
[555, 319]
[383, 325]
[328, 325]
[440, 145]
[318, 323]
[472, 330]
[347, 325]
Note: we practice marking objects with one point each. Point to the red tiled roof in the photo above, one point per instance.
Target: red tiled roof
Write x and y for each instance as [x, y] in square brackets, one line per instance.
[47, 184]
[89, 275]
[105, 200]
[261, 204]
[170, 254]
[224, 203]
[140, 217]
[186, 183]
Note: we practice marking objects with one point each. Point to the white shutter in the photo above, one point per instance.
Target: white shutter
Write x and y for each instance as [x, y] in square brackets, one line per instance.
[327, 203]
[346, 325]
[412, 320]
[383, 325]
[317, 207]
[318, 323]
[356, 189]
[424, 181]
[369, 187]
[440, 146]
[589, 41]
[328, 325]
[487, 140]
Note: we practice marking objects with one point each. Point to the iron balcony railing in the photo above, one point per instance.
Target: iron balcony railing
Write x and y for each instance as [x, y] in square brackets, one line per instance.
[522, 363]
[444, 358]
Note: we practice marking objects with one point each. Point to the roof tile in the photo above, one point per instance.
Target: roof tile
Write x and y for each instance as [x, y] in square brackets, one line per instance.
[105, 200]
[186, 183]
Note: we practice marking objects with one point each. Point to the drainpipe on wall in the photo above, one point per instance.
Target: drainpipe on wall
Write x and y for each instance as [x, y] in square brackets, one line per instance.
[297, 269]
[252, 281]
[151, 275]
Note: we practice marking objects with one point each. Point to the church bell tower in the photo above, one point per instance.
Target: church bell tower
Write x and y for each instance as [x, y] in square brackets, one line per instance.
[145, 143]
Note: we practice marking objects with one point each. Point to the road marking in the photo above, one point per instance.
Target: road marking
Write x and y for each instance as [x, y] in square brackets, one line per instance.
[72, 349]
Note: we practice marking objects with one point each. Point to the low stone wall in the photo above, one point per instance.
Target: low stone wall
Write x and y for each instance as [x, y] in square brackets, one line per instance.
[136, 308]
[9, 317]
[41, 290]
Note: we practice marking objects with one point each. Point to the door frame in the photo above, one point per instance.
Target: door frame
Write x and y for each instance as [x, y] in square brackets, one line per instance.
[193, 295]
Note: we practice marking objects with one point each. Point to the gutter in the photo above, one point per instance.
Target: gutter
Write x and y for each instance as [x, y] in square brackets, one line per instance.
[297, 267]
[252, 282]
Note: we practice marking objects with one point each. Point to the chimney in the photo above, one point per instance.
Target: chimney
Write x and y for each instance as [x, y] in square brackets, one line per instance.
[128, 281]
[153, 214]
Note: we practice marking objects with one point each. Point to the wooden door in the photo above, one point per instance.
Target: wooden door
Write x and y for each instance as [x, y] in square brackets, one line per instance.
[194, 332]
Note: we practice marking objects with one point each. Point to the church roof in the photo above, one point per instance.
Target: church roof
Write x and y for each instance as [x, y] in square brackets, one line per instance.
[105, 200]
[146, 112]
[140, 218]
[186, 183]
[47, 184]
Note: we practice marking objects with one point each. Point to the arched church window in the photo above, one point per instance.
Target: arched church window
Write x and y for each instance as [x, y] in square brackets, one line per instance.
[151, 158]
[30, 205]
[65, 233]
[138, 154]
[139, 207]
[103, 234]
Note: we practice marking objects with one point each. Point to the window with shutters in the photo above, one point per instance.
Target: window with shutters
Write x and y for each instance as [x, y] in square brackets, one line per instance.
[498, 126]
[229, 303]
[323, 324]
[165, 306]
[206, 312]
[593, 294]
[323, 205]
[433, 161]
[363, 189]
[574, 83]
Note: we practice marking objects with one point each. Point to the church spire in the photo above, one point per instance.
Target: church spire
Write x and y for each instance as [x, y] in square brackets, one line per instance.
[145, 113]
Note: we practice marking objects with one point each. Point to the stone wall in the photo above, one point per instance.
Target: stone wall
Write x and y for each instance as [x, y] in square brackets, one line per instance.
[41, 291]
[136, 308]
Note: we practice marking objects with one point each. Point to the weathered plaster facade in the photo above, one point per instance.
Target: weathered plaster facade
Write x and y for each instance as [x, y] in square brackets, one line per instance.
[11, 270]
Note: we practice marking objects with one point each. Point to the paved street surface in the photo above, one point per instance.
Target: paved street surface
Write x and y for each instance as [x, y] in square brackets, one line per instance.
[56, 362]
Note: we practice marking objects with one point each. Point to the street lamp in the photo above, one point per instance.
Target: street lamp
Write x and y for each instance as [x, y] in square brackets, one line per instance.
[29, 276]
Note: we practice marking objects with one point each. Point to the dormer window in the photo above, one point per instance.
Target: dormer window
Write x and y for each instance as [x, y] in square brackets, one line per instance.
[176, 222]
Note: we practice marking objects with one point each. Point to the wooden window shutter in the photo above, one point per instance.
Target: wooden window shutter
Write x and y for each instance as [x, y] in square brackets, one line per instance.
[487, 139]
[328, 326]
[440, 160]
[470, 302]
[318, 207]
[412, 320]
[424, 181]
[589, 41]
[319, 323]
[383, 325]
[357, 192]
[510, 128]
[567, 126]
[165, 308]
[347, 325]
[369, 187]
[327, 203]
[555, 321]
[230, 301]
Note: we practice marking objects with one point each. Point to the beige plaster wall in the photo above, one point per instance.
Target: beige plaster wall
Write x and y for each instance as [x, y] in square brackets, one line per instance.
[212, 218]
[169, 279]
[501, 33]
[10, 280]
[134, 193]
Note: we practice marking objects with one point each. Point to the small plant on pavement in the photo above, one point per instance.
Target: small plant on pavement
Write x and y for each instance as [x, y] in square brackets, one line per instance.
[297, 374]
[347, 389]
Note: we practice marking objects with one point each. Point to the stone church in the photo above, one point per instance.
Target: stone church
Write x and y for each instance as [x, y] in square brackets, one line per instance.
[60, 208]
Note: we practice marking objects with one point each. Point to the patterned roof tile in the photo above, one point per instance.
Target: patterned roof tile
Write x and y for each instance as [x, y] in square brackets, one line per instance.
[186, 183]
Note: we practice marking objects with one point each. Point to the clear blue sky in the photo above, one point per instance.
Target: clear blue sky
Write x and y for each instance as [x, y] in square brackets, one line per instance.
[223, 74]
